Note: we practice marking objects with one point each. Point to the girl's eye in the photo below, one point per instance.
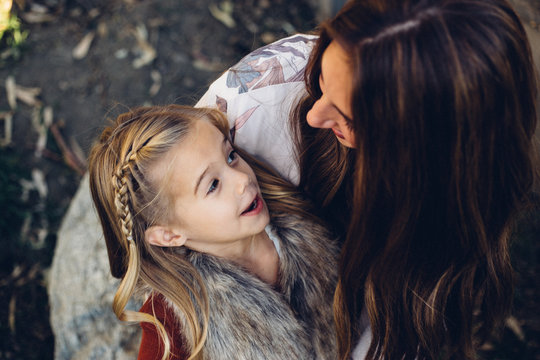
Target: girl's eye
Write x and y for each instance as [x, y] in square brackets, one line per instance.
[213, 186]
[232, 156]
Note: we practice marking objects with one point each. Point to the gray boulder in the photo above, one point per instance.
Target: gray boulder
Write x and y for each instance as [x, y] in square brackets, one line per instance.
[81, 290]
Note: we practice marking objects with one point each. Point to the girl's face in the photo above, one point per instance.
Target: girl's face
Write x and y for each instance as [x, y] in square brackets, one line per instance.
[216, 197]
[333, 109]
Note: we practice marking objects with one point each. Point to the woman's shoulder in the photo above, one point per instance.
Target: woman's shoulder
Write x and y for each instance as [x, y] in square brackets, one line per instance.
[280, 62]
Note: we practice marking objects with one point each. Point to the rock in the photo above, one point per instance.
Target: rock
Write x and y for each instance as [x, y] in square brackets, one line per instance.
[81, 290]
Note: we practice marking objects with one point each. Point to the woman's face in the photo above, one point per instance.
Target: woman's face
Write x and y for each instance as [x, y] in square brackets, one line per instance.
[333, 109]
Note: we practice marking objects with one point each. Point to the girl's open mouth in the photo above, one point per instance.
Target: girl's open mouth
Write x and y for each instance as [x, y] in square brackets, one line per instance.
[255, 207]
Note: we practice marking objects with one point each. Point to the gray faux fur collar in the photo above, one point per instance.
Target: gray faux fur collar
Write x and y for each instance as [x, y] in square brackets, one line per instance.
[251, 320]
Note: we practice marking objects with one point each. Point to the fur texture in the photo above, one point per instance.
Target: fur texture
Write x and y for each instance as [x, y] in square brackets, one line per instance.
[251, 320]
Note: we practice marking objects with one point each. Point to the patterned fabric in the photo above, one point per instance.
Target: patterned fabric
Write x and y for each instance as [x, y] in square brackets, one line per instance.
[258, 95]
[277, 63]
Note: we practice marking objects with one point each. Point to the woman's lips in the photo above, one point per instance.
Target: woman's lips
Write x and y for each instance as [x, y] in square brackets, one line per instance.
[338, 134]
[254, 208]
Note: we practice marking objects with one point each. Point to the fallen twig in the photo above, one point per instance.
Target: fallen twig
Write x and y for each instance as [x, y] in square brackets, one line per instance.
[69, 157]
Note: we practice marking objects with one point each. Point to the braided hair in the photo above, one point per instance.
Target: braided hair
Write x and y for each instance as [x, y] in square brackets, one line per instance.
[129, 200]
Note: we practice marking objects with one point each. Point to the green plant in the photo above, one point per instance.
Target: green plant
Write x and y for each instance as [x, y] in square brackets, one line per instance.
[12, 36]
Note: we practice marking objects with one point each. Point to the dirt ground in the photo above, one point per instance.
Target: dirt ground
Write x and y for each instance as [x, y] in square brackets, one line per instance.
[139, 52]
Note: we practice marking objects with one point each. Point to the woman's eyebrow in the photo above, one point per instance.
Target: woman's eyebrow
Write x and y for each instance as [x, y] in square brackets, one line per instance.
[348, 119]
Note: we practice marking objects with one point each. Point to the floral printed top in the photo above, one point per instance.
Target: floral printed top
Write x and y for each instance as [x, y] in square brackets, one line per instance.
[258, 95]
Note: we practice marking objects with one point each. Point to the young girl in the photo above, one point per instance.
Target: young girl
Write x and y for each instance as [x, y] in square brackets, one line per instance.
[185, 221]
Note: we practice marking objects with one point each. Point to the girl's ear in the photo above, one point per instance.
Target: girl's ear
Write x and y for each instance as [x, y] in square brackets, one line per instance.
[163, 236]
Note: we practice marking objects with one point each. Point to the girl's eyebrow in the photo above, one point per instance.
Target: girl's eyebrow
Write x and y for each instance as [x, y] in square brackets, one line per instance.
[199, 180]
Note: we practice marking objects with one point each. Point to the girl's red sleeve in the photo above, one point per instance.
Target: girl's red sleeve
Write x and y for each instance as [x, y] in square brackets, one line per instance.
[151, 345]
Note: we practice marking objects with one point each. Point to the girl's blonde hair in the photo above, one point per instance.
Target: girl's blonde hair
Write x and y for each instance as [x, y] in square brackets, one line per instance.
[128, 203]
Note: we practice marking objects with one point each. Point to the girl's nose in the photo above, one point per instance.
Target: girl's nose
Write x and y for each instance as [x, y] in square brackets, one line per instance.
[321, 115]
[243, 181]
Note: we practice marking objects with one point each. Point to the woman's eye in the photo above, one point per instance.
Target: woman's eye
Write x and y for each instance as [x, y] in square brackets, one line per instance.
[213, 186]
[232, 156]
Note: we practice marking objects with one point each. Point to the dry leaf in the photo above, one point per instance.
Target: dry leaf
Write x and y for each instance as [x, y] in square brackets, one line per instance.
[288, 27]
[94, 13]
[81, 50]
[205, 65]
[11, 92]
[223, 13]
[34, 17]
[8, 128]
[147, 52]
[121, 54]
[41, 129]
[11, 316]
[47, 116]
[156, 82]
[38, 8]
[102, 29]
[40, 185]
[268, 37]
[487, 346]
[28, 95]
[39, 241]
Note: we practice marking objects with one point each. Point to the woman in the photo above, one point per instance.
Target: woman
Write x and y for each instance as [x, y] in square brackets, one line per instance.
[415, 143]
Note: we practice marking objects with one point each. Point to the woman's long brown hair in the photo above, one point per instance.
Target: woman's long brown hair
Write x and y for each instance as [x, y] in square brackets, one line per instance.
[444, 114]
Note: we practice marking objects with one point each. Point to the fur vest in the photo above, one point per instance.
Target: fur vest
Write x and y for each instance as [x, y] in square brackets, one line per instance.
[251, 320]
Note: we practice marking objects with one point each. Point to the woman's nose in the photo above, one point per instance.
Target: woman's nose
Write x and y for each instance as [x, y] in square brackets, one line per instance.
[320, 115]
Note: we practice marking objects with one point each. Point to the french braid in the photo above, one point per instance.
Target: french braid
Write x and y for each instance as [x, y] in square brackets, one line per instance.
[128, 200]
[127, 286]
